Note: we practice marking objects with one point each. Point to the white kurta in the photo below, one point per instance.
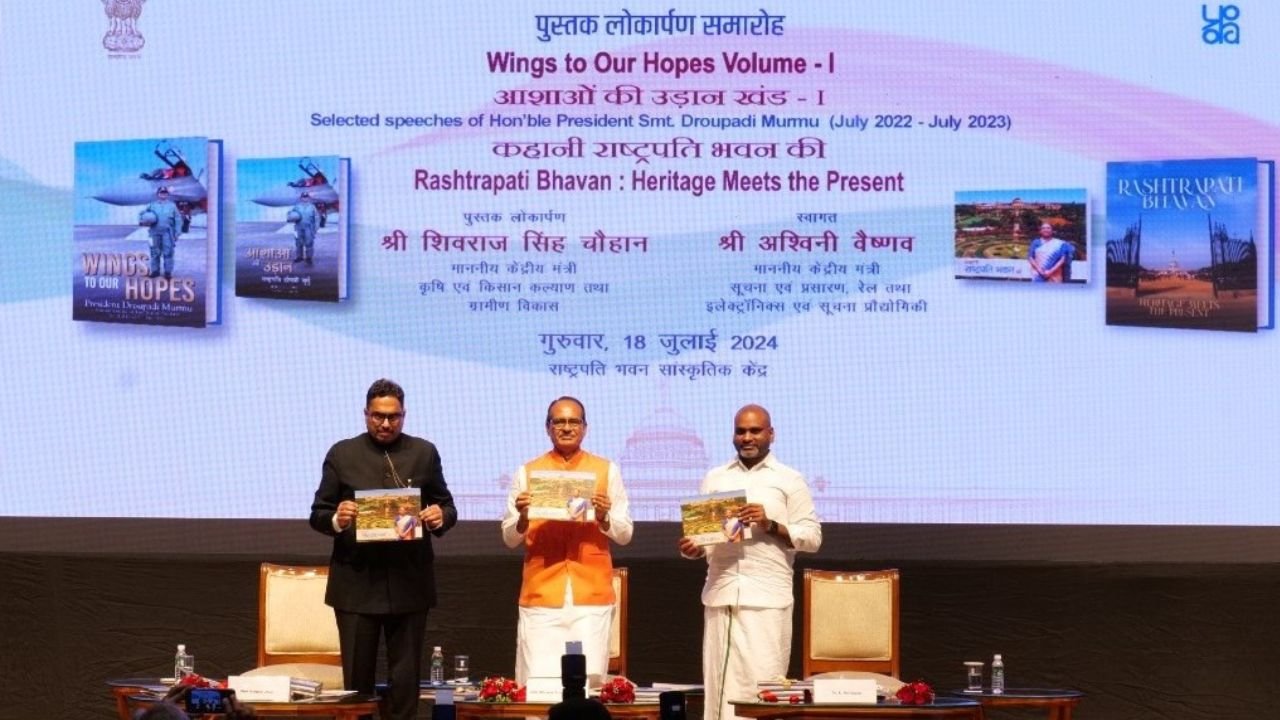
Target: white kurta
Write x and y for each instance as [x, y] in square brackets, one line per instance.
[749, 595]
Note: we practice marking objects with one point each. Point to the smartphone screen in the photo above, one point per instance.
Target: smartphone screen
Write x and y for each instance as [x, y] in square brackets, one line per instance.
[204, 700]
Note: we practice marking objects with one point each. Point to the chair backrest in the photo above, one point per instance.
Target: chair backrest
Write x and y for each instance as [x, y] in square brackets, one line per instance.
[294, 624]
[851, 621]
[618, 629]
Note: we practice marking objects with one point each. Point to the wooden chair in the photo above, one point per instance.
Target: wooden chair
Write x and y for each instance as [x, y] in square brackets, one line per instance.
[851, 621]
[618, 628]
[297, 632]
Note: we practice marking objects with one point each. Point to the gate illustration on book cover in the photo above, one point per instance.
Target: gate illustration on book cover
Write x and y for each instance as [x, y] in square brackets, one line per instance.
[1184, 243]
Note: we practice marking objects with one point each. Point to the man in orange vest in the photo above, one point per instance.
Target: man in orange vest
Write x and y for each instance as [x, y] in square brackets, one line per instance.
[567, 590]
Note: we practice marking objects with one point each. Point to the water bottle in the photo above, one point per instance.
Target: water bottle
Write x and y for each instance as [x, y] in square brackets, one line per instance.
[997, 675]
[184, 663]
[437, 666]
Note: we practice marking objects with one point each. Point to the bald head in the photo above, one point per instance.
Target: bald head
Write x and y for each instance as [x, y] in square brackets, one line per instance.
[752, 434]
[756, 409]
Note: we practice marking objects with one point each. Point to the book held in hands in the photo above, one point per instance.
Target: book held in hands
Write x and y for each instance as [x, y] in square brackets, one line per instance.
[561, 495]
[713, 519]
[388, 515]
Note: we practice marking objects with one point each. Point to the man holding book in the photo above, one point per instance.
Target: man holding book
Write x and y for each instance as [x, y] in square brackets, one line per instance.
[747, 599]
[567, 589]
[378, 588]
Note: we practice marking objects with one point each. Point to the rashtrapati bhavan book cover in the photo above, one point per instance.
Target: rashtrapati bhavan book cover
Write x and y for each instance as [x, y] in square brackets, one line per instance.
[292, 227]
[1183, 244]
[1029, 235]
[147, 236]
[561, 495]
[713, 519]
[388, 515]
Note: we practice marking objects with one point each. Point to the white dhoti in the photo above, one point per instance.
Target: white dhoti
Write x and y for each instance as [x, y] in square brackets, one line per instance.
[741, 646]
[542, 632]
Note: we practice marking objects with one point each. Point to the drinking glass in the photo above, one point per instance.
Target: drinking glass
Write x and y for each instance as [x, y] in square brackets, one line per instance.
[973, 677]
[461, 669]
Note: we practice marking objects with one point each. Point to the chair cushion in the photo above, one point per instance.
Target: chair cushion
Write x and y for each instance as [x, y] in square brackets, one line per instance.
[615, 626]
[298, 621]
[851, 620]
[329, 676]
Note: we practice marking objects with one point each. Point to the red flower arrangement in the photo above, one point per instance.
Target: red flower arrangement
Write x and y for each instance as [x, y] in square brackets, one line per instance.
[916, 693]
[795, 697]
[496, 689]
[618, 690]
[194, 680]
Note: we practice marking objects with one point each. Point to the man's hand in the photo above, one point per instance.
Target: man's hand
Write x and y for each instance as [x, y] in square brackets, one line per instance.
[754, 514]
[522, 507]
[600, 502]
[690, 549]
[347, 513]
[432, 517]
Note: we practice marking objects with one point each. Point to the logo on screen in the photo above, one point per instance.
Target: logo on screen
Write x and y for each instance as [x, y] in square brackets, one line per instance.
[1222, 29]
[122, 34]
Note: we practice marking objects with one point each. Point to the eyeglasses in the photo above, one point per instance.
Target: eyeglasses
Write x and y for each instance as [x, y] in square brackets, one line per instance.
[378, 418]
[567, 423]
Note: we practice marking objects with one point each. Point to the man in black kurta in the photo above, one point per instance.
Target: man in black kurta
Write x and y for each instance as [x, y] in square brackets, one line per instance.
[382, 588]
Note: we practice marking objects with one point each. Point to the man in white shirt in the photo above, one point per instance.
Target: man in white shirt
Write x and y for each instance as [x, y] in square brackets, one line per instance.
[748, 597]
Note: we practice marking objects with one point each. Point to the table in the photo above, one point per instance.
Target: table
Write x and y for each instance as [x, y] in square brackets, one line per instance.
[1057, 702]
[942, 707]
[133, 694]
[476, 710]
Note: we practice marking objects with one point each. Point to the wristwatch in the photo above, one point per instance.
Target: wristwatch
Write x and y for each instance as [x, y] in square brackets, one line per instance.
[773, 527]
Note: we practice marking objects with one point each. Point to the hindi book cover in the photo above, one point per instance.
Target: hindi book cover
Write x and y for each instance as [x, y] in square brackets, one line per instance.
[388, 515]
[1184, 239]
[713, 519]
[561, 495]
[147, 236]
[293, 227]
[1028, 235]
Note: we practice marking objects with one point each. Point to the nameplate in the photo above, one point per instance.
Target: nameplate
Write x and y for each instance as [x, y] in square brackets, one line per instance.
[260, 688]
[544, 690]
[855, 691]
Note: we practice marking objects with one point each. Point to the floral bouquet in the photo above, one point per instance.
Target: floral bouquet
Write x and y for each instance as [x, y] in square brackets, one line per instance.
[618, 690]
[916, 693]
[198, 681]
[496, 689]
[795, 697]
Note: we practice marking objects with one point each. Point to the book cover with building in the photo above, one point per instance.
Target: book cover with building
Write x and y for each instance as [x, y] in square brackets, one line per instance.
[388, 515]
[292, 227]
[1183, 243]
[147, 237]
[1028, 235]
[561, 495]
[713, 519]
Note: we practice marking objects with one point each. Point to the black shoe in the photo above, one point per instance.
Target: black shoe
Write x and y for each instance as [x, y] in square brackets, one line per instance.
[153, 274]
[168, 276]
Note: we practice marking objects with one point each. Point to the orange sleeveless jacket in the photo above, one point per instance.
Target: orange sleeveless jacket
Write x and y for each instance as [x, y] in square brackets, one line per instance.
[557, 551]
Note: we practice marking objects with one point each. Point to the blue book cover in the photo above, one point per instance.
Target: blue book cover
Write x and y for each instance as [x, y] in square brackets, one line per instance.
[292, 220]
[147, 236]
[1184, 240]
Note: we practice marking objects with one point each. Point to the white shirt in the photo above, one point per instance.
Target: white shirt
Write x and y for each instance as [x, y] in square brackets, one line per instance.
[757, 572]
